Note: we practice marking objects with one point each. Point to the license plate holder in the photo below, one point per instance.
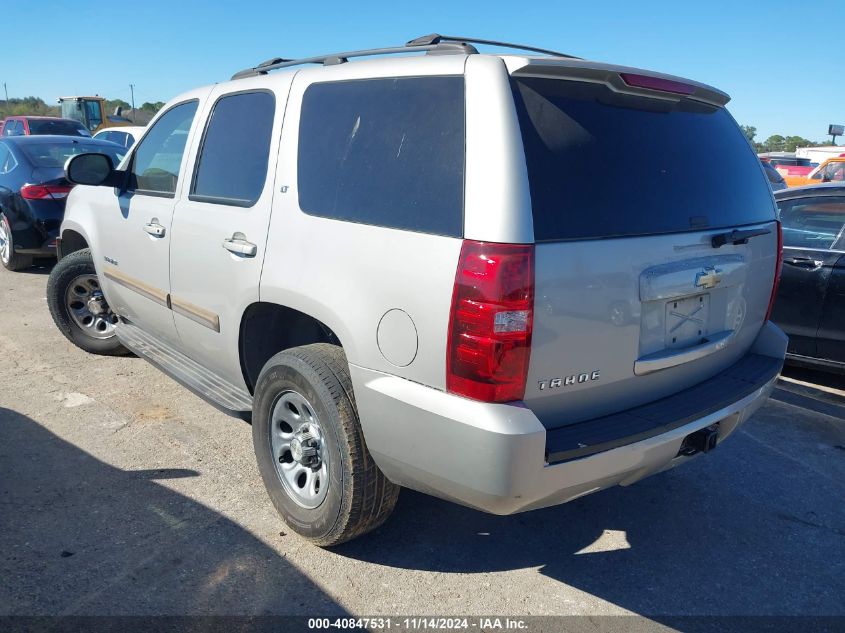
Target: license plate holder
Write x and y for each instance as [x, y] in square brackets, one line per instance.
[686, 320]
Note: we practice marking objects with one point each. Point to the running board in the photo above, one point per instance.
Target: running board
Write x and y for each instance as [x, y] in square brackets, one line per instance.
[215, 390]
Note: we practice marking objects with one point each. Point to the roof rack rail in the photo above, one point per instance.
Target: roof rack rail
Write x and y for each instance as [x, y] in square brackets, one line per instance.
[436, 38]
[340, 58]
[433, 44]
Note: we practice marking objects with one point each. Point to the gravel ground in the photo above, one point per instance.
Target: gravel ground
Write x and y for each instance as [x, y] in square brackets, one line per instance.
[123, 493]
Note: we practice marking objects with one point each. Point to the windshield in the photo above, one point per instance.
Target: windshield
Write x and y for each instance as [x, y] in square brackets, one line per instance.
[72, 109]
[62, 128]
[55, 154]
[608, 165]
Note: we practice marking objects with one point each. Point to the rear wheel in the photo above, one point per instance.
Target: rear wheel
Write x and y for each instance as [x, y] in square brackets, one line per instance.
[79, 307]
[8, 257]
[310, 447]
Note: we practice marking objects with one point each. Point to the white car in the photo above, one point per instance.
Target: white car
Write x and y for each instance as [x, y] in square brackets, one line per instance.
[124, 136]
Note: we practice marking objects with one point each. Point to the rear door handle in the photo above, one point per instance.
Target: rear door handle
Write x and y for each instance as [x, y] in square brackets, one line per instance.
[803, 262]
[238, 245]
[154, 228]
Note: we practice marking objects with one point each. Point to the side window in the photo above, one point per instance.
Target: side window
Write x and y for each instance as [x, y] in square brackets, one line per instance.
[835, 172]
[156, 162]
[387, 152]
[813, 222]
[119, 138]
[232, 163]
[94, 116]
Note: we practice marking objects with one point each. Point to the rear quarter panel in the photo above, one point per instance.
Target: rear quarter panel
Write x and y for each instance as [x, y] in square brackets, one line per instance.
[350, 275]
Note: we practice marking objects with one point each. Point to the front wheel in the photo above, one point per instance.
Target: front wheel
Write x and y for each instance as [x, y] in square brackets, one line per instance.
[79, 308]
[310, 447]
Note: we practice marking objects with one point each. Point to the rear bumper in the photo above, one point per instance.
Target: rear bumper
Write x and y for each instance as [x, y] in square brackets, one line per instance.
[495, 457]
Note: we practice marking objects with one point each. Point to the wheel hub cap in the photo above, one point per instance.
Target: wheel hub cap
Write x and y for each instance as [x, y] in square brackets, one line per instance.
[87, 306]
[298, 447]
[304, 448]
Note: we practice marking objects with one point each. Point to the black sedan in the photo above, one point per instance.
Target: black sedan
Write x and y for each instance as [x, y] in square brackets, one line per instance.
[810, 306]
[33, 192]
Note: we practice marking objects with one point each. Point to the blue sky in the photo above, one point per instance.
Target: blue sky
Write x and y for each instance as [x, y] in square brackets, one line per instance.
[778, 59]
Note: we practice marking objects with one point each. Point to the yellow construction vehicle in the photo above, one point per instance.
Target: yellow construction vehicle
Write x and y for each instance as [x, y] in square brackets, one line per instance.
[91, 112]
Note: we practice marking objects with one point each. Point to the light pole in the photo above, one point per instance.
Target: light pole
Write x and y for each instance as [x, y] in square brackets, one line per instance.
[132, 90]
[6, 90]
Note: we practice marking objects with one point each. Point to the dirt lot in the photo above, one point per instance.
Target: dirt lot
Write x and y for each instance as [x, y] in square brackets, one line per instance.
[123, 493]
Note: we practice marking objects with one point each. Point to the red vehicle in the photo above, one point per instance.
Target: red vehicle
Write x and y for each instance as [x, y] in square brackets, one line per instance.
[29, 125]
[788, 164]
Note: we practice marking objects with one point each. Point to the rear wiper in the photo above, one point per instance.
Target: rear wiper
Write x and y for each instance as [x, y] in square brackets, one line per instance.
[736, 237]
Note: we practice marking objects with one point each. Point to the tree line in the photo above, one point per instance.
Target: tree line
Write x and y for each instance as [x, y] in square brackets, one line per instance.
[777, 142]
[35, 106]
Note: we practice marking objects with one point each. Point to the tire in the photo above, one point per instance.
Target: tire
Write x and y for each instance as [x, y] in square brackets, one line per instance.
[64, 278]
[356, 497]
[8, 257]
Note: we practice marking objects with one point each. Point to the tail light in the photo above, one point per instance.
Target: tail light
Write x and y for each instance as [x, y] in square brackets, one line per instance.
[778, 267]
[43, 192]
[491, 321]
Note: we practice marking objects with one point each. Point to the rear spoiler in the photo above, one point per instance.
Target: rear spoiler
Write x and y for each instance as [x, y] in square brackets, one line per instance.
[621, 79]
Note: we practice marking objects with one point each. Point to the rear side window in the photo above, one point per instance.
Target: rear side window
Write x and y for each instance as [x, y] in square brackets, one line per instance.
[387, 152]
[232, 164]
[817, 222]
[602, 164]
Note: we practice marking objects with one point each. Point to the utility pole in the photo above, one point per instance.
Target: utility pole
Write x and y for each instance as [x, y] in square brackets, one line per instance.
[132, 90]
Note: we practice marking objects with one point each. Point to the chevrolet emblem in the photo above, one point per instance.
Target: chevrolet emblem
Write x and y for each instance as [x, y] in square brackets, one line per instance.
[708, 278]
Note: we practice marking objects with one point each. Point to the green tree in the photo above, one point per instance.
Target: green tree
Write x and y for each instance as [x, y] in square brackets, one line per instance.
[775, 143]
[28, 105]
[152, 107]
[750, 132]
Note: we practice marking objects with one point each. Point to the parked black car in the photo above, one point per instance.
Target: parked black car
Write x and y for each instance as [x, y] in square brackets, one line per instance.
[810, 306]
[33, 192]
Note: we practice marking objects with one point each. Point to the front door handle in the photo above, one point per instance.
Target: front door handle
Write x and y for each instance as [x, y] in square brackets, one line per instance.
[238, 245]
[803, 262]
[154, 228]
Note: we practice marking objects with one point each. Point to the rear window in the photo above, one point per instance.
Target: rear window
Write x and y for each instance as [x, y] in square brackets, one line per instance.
[602, 164]
[387, 152]
[67, 128]
[56, 154]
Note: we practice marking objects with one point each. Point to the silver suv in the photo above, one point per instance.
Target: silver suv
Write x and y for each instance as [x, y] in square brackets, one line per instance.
[507, 281]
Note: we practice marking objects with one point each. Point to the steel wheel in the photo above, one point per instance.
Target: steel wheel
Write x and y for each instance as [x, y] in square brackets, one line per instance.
[88, 308]
[5, 242]
[298, 447]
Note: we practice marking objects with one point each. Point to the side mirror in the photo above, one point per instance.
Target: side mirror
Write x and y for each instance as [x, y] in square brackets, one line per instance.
[825, 178]
[91, 169]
